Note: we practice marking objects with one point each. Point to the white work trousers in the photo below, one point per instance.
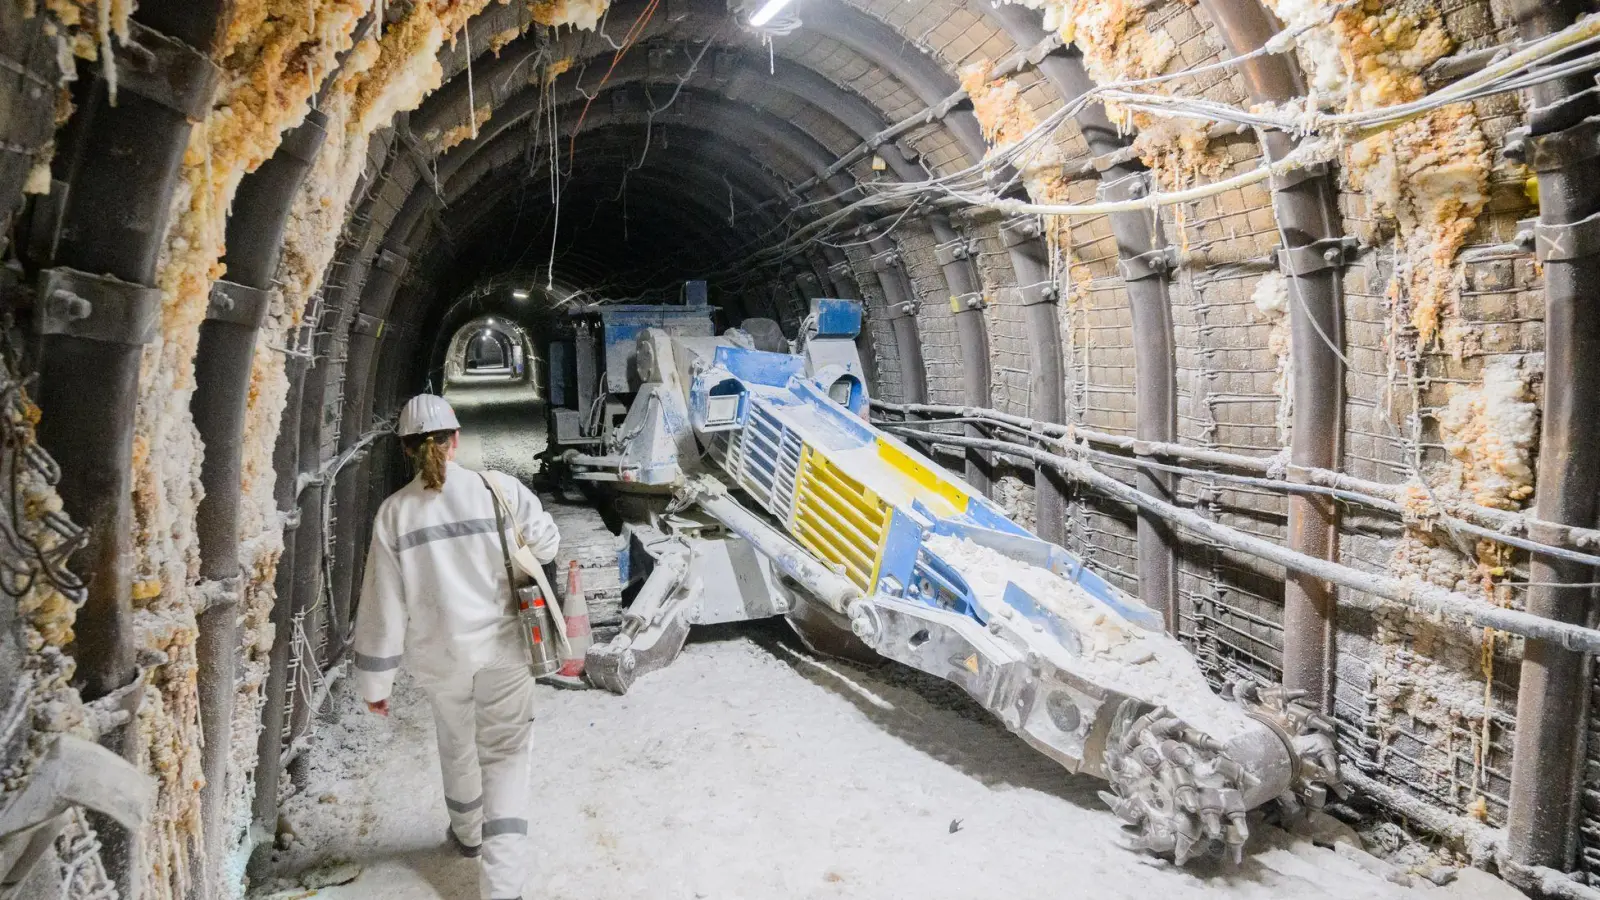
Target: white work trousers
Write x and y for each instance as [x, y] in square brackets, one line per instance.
[485, 727]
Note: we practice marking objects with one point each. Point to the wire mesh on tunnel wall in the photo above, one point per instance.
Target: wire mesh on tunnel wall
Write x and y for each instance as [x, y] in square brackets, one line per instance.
[1420, 708]
[36, 621]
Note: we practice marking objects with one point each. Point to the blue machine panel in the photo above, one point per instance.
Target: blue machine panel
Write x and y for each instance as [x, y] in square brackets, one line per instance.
[817, 402]
[1024, 603]
[622, 325]
[984, 514]
[837, 318]
[900, 550]
[938, 585]
[758, 367]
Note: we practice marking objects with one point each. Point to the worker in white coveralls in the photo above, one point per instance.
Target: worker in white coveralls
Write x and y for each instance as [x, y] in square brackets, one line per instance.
[435, 597]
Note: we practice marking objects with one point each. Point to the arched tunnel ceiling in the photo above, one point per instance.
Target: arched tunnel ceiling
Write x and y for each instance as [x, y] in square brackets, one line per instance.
[692, 144]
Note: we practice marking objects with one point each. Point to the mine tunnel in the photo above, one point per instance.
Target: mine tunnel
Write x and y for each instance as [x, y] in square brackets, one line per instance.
[1024, 449]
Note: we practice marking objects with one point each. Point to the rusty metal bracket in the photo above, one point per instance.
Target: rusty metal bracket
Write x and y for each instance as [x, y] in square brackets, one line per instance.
[97, 307]
[842, 269]
[1156, 262]
[225, 592]
[1128, 187]
[953, 251]
[907, 309]
[122, 705]
[1020, 230]
[1563, 113]
[888, 259]
[1318, 256]
[304, 144]
[1568, 241]
[166, 71]
[964, 303]
[1556, 150]
[393, 262]
[1035, 294]
[238, 304]
[365, 324]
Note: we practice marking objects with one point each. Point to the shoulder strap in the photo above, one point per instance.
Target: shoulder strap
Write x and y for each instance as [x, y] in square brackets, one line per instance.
[536, 572]
[500, 529]
[503, 503]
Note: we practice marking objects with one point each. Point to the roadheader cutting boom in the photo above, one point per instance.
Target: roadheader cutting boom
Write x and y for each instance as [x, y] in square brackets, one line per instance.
[754, 486]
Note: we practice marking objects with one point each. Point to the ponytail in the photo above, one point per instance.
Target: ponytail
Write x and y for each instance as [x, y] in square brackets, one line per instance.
[429, 453]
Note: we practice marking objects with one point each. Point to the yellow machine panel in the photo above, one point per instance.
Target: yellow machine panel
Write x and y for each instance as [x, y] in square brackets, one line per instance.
[838, 518]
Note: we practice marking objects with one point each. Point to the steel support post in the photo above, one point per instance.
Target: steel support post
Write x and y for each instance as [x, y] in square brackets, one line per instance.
[365, 332]
[1312, 258]
[95, 312]
[1047, 382]
[125, 158]
[967, 305]
[901, 311]
[1144, 262]
[275, 694]
[1561, 143]
[1142, 251]
[223, 363]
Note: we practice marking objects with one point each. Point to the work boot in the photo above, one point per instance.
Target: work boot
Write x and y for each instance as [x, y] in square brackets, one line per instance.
[460, 848]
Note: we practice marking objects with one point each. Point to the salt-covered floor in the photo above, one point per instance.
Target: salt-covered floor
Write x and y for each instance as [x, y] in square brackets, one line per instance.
[502, 425]
[749, 770]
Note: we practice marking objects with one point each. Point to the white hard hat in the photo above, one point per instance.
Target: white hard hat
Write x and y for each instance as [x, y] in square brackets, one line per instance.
[425, 413]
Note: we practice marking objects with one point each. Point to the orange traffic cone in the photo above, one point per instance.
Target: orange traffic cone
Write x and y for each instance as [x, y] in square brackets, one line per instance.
[578, 638]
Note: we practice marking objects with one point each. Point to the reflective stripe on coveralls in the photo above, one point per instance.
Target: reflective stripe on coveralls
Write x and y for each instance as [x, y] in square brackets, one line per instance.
[435, 598]
[435, 588]
[444, 532]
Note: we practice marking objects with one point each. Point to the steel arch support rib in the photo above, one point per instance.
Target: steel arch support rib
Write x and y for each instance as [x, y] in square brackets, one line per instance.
[1305, 205]
[1142, 253]
[1547, 777]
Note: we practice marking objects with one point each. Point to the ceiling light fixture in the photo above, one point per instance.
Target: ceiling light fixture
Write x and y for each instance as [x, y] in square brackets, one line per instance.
[519, 294]
[767, 12]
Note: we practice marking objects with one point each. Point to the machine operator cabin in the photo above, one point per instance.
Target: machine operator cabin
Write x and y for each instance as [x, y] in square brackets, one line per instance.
[799, 449]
